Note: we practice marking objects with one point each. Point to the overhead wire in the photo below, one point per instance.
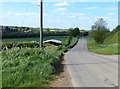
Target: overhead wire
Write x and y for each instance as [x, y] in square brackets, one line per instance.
[26, 11]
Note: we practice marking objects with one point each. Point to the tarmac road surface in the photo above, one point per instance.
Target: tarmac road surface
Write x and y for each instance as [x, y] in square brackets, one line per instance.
[88, 69]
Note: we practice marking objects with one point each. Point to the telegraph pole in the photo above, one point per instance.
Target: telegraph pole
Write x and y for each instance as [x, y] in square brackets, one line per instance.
[41, 23]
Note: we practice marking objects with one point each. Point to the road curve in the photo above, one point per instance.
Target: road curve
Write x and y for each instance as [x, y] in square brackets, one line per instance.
[87, 69]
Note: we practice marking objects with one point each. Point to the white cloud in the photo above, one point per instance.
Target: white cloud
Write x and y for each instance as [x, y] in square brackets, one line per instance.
[113, 8]
[110, 13]
[60, 9]
[64, 13]
[62, 4]
[35, 2]
[97, 17]
[72, 16]
[92, 8]
[27, 14]
[86, 18]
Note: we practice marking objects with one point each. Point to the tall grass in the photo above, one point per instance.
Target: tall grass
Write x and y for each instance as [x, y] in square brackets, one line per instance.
[31, 67]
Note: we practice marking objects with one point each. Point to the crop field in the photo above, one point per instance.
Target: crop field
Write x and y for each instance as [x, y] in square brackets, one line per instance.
[62, 38]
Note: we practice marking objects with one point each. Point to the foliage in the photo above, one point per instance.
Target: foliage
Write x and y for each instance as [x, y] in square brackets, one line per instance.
[111, 49]
[67, 41]
[32, 67]
[24, 42]
[9, 45]
[100, 32]
[113, 36]
[73, 42]
[74, 32]
[29, 67]
[62, 38]
[100, 23]
[99, 35]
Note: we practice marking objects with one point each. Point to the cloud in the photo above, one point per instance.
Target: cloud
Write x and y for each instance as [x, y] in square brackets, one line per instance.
[91, 8]
[27, 14]
[35, 2]
[72, 15]
[110, 13]
[61, 4]
[60, 9]
[113, 8]
[64, 13]
[97, 17]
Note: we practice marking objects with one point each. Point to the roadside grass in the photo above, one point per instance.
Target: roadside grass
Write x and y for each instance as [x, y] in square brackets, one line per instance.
[112, 38]
[31, 67]
[111, 49]
[62, 38]
[73, 42]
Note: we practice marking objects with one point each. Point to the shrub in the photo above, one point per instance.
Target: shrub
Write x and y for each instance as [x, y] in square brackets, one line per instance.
[73, 42]
[9, 45]
[27, 44]
[67, 41]
[74, 32]
[99, 35]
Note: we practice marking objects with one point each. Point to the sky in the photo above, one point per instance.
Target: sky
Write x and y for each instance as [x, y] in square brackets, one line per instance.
[62, 15]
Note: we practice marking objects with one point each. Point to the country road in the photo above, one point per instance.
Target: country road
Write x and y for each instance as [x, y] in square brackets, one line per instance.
[88, 69]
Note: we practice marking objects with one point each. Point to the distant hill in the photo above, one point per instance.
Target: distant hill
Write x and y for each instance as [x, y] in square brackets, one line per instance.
[113, 36]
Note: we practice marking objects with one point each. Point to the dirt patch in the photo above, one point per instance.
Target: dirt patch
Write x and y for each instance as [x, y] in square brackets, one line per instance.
[62, 78]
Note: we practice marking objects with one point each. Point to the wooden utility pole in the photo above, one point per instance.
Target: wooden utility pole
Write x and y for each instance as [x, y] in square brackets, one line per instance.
[41, 23]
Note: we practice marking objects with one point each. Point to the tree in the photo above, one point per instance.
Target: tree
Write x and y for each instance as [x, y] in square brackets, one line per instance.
[74, 32]
[100, 24]
[93, 27]
[101, 31]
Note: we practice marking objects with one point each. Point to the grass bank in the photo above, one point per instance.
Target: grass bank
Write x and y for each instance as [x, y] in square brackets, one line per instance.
[32, 67]
[106, 49]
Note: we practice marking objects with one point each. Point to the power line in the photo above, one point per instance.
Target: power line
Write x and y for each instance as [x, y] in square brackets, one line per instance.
[25, 12]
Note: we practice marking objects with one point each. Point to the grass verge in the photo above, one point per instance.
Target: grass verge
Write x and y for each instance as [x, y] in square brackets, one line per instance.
[111, 49]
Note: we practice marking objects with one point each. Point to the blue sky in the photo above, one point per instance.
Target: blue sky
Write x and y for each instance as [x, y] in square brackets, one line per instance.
[60, 14]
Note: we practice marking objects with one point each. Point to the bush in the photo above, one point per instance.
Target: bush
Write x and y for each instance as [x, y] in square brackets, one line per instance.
[99, 35]
[9, 45]
[27, 44]
[67, 41]
[73, 42]
[74, 32]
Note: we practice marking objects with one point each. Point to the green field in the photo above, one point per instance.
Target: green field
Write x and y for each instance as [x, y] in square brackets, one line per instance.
[62, 38]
